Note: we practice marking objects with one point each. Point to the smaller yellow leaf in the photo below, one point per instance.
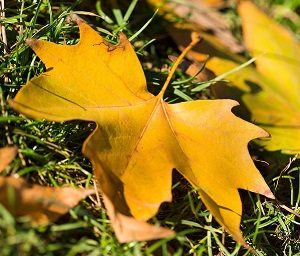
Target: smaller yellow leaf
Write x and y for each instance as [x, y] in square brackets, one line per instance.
[7, 154]
[269, 90]
[41, 204]
[277, 50]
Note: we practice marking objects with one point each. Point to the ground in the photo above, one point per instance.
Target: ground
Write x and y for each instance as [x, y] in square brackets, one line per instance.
[50, 153]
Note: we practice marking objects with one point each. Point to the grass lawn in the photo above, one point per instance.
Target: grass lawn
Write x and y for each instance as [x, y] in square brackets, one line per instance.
[50, 153]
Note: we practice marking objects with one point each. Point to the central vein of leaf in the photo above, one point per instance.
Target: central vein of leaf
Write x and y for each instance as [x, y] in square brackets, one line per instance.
[159, 98]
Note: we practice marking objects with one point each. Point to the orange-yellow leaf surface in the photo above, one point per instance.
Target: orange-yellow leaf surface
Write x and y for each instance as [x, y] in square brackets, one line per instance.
[271, 90]
[7, 154]
[41, 204]
[140, 138]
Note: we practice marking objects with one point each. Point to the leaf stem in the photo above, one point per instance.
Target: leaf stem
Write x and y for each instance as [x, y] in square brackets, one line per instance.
[195, 39]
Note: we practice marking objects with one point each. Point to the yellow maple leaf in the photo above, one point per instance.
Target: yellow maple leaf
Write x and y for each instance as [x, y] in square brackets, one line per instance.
[140, 138]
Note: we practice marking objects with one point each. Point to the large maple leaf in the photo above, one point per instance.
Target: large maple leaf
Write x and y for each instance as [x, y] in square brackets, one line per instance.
[140, 138]
[269, 90]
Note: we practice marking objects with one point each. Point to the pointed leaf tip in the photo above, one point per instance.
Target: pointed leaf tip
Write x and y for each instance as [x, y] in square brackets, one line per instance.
[268, 193]
[32, 42]
[75, 18]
